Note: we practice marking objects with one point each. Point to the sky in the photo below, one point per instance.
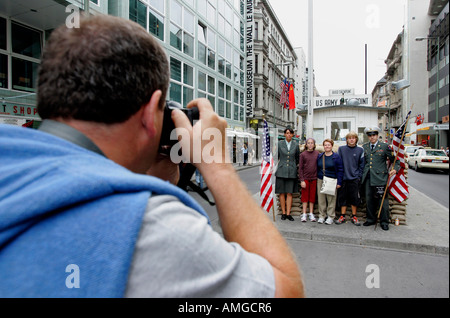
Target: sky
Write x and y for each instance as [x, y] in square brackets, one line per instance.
[341, 30]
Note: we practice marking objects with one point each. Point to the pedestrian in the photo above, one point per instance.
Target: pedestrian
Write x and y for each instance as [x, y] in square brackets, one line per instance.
[329, 164]
[375, 177]
[447, 151]
[307, 173]
[100, 223]
[353, 161]
[286, 175]
[244, 150]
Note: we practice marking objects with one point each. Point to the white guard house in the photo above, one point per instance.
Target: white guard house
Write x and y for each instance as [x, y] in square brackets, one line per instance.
[336, 115]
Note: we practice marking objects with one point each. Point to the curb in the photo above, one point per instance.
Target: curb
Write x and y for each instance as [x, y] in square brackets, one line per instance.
[366, 242]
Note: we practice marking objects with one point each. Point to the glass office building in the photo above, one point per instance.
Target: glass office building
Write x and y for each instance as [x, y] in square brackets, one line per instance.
[204, 41]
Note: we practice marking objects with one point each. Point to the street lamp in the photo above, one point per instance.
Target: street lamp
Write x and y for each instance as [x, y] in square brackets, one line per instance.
[392, 87]
[436, 136]
[400, 85]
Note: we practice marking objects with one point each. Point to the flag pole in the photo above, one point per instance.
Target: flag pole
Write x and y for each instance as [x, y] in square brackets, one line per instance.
[392, 168]
[273, 210]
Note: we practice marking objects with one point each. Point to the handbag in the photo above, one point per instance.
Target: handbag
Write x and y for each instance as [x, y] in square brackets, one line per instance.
[329, 184]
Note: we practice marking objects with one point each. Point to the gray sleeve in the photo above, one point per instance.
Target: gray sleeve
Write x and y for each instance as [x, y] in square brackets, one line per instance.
[178, 254]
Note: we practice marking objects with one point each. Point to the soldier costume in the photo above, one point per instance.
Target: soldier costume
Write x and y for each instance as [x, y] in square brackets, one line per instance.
[375, 178]
[286, 176]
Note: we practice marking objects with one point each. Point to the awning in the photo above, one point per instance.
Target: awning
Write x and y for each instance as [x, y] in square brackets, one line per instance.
[241, 134]
[424, 131]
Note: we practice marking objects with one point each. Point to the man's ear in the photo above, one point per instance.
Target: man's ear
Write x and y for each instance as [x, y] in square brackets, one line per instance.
[151, 114]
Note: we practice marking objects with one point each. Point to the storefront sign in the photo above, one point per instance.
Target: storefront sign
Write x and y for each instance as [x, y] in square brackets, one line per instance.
[250, 61]
[441, 127]
[19, 110]
[347, 91]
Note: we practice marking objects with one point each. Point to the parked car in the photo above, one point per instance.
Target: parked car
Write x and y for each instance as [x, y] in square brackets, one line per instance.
[410, 150]
[429, 159]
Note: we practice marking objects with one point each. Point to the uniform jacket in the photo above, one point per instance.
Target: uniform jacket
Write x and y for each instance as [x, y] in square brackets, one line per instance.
[288, 160]
[375, 163]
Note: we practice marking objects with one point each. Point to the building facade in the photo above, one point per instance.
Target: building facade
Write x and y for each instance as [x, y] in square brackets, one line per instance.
[205, 41]
[275, 60]
[438, 74]
[424, 18]
[24, 27]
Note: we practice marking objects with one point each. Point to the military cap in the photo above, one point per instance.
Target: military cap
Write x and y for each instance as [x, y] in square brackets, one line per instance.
[372, 130]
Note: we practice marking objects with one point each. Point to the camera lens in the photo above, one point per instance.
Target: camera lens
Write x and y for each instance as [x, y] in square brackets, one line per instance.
[168, 126]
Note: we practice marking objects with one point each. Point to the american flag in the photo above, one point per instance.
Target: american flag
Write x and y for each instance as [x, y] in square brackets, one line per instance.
[284, 92]
[398, 187]
[266, 191]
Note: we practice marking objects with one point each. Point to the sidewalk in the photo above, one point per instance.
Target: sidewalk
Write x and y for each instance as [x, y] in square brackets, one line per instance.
[427, 229]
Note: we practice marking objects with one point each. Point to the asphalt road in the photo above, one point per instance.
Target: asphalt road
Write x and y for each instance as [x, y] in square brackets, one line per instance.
[350, 271]
[433, 183]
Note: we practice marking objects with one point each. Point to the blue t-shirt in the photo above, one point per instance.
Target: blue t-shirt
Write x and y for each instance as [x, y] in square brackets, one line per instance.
[330, 169]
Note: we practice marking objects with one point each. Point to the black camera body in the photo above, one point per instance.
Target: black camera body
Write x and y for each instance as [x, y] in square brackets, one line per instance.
[168, 126]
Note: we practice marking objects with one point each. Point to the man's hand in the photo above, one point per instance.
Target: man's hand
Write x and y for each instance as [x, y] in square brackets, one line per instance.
[208, 131]
[392, 172]
[163, 168]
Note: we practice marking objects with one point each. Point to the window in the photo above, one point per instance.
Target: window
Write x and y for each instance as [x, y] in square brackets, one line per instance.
[175, 69]
[138, 13]
[182, 82]
[3, 57]
[3, 71]
[156, 24]
[224, 103]
[211, 14]
[176, 35]
[26, 41]
[24, 75]
[2, 33]
[339, 130]
[19, 61]
[182, 28]
[201, 7]
[206, 46]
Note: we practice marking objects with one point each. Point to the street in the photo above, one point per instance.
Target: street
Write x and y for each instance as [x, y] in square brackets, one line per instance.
[342, 270]
[433, 183]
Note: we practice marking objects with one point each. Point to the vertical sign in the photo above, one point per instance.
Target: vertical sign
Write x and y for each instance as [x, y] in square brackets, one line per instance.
[249, 55]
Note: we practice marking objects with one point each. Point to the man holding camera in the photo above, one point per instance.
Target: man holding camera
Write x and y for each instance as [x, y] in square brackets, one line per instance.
[97, 225]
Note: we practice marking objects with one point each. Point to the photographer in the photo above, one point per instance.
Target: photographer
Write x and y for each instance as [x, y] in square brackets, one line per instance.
[97, 225]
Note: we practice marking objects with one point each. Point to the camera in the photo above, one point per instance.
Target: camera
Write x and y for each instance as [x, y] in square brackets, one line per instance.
[168, 126]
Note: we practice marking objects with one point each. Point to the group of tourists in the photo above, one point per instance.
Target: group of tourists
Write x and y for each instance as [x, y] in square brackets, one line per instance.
[335, 179]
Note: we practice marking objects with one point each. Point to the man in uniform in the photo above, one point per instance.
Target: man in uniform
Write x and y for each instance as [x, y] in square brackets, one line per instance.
[375, 177]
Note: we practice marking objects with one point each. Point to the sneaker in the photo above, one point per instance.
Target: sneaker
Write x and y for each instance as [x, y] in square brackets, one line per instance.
[303, 219]
[329, 221]
[283, 216]
[355, 221]
[312, 218]
[341, 220]
[321, 220]
[289, 217]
